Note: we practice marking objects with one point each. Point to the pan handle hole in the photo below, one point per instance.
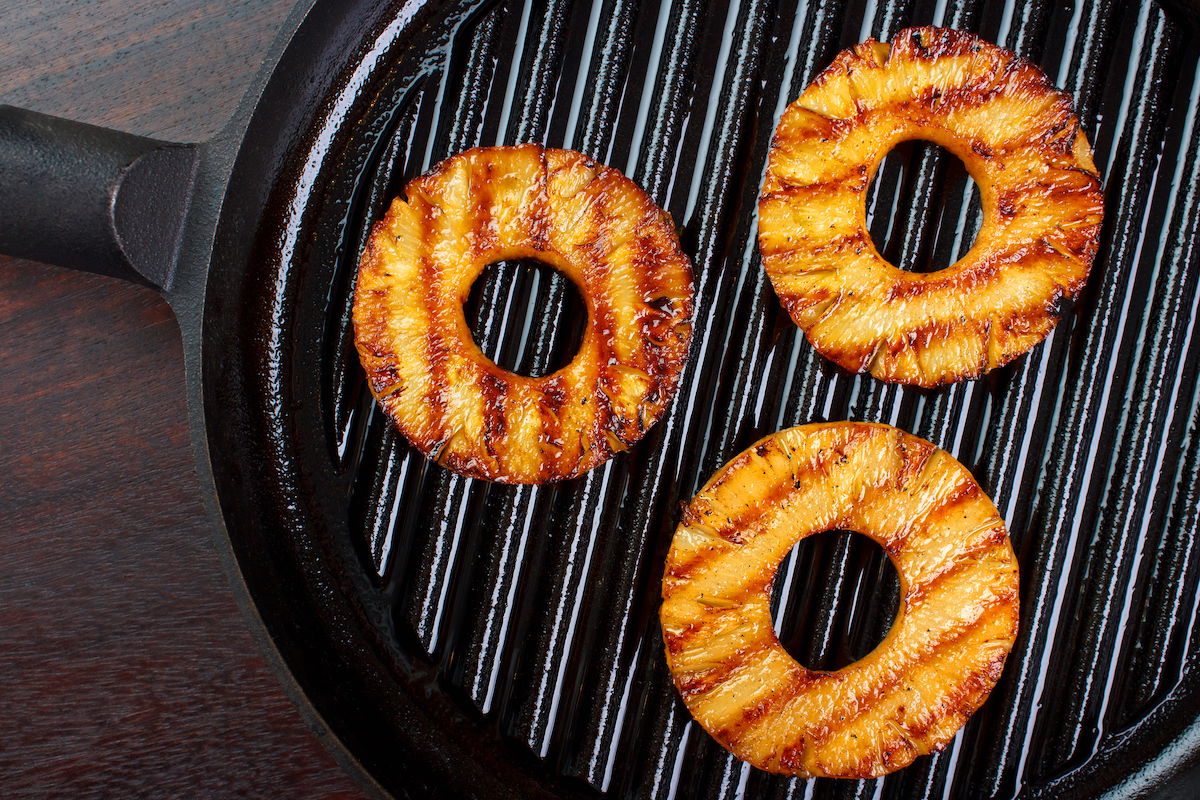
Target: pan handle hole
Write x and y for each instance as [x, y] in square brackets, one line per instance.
[834, 599]
[526, 316]
[923, 209]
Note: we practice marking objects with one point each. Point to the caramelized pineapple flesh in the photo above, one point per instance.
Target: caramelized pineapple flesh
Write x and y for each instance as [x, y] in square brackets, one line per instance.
[944, 653]
[1022, 144]
[589, 221]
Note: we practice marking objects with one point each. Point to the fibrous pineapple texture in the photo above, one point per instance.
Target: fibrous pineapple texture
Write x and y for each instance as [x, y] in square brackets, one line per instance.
[1020, 141]
[587, 220]
[956, 623]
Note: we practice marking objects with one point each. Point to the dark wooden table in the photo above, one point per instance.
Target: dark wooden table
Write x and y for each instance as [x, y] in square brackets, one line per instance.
[126, 669]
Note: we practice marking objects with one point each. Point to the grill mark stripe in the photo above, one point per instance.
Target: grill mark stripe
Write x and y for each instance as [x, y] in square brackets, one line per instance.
[435, 352]
[918, 595]
[554, 394]
[757, 717]
[492, 388]
[838, 245]
[940, 507]
[702, 682]
[598, 278]
[642, 254]
[539, 221]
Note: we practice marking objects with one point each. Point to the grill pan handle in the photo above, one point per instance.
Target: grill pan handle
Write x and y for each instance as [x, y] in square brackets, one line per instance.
[91, 198]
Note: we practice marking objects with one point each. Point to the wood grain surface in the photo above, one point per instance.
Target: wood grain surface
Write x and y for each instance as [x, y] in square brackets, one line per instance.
[126, 669]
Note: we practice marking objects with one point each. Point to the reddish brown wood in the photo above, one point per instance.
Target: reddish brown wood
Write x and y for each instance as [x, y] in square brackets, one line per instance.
[126, 668]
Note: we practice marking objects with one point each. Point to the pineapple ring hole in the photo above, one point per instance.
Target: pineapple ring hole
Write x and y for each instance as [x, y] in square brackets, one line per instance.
[829, 624]
[923, 208]
[506, 312]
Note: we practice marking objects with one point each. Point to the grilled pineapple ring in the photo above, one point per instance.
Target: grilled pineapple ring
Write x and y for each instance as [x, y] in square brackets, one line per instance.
[589, 221]
[1021, 143]
[956, 623]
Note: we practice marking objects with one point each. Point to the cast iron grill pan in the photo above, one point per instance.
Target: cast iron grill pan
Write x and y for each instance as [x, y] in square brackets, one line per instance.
[523, 620]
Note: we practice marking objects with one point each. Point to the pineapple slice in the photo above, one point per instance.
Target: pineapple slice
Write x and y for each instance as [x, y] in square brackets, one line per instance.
[1021, 143]
[587, 220]
[956, 623]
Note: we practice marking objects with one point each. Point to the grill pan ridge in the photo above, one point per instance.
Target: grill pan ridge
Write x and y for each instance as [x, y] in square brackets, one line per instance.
[533, 610]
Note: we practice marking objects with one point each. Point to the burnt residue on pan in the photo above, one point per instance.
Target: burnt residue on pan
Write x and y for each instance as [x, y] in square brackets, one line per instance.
[532, 610]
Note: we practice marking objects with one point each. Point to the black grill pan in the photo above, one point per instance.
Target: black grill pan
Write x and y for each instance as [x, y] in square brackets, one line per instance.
[466, 639]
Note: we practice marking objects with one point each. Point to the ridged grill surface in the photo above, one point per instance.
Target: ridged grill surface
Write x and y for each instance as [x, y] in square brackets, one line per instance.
[539, 604]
